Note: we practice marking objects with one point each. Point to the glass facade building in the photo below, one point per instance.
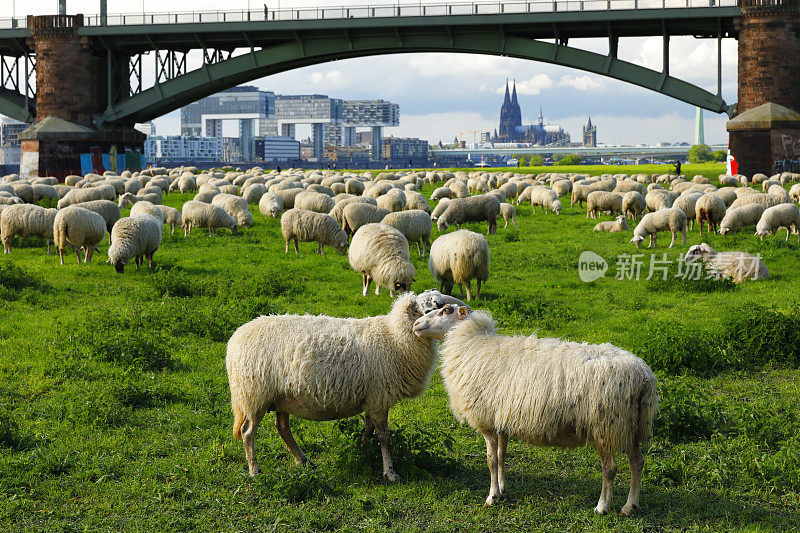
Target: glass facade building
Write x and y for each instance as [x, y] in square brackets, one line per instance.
[244, 100]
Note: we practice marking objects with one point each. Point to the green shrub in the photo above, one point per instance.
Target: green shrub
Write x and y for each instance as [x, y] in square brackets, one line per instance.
[720, 156]
[569, 160]
[177, 283]
[687, 411]
[700, 153]
[536, 161]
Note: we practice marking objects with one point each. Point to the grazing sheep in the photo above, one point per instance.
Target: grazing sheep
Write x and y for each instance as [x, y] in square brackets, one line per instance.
[347, 366]
[106, 209]
[508, 212]
[780, 216]
[711, 209]
[390, 202]
[471, 209]
[137, 238]
[353, 186]
[270, 205]
[235, 206]
[688, 204]
[459, 257]
[147, 208]
[740, 217]
[26, 220]
[380, 253]
[206, 194]
[546, 392]
[299, 225]
[10, 200]
[41, 191]
[172, 217]
[727, 181]
[780, 194]
[440, 193]
[794, 192]
[738, 266]
[130, 199]
[338, 210]
[658, 199]
[581, 191]
[561, 187]
[415, 225]
[670, 219]
[613, 226]
[134, 185]
[544, 198]
[727, 195]
[439, 209]
[202, 215]
[599, 201]
[77, 196]
[253, 193]
[628, 186]
[314, 201]
[77, 227]
[358, 214]
[459, 189]
[415, 200]
[633, 203]
[764, 200]
[23, 190]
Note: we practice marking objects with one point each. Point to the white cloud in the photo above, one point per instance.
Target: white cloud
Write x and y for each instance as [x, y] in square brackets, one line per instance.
[580, 83]
[533, 86]
[330, 79]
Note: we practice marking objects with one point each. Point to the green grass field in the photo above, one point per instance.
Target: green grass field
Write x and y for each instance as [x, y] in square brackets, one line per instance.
[115, 415]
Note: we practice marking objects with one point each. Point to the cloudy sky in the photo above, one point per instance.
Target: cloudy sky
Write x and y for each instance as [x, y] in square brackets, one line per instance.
[441, 95]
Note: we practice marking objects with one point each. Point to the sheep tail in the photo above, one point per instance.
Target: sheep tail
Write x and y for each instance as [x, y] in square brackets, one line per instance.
[648, 409]
[238, 422]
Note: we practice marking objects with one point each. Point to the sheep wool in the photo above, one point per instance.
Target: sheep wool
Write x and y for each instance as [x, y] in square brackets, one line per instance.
[615, 226]
[459, 257]
[314, 201]
[380, 253]
[709, 208]
[414, 224]
[235, 206]
[202, 215]
[603, 201]
[26, 220]
[471, 209]
[738, 266]
[345, 366]
[508, 212]
[299, 225]
[137, 238]
[270, 205]
[740, 217]
[172, 217]
[358, 214]
[669, 219]
[77, 227]
[785, 216]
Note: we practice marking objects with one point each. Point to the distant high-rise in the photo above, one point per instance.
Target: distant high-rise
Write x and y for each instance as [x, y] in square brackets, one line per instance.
[590, 134]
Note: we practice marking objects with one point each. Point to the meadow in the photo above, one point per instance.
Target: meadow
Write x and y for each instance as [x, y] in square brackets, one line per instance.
[115, 414]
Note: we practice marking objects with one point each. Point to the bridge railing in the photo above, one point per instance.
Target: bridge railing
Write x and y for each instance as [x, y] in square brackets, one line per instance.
[394, 11]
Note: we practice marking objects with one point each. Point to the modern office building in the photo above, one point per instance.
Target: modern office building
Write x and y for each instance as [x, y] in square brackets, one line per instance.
[177, 148]
[275, 149]
[148, 128]
[402, 149]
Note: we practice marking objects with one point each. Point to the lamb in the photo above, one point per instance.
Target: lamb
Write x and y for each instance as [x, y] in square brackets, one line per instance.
[738, 266]
[356, 215]
[137, 238]
[26, 220]
[546, 392]
[299, 225]
[172, 217]
[77, 227]
[780, 216]
[711, 209]
[202, 215]
[633, 203]
[314, 201]
[508, 212]
[459, 257]
[614, 226]
[270, 205]
[235, 206]
[414, 224]
[471, 209]
[128, 198]
[347, 366]
[670, 219]
[380, 253]
[740, 217]
[598, 201]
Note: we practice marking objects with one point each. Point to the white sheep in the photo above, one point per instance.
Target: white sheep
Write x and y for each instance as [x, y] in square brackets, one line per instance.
[147, 208]
[613, 226]
[459, 257]
[780, 216]
[545, 198]
[130, 199]
[253, 193]
[440, 193]
[794, 192]
[357, 214]
[688, 204]
[135, 238]
[26, 220]
[709, 208]
[172, 217]
[508, 212]
[76, 196]
[346, 366]
[202, 215]
[546, 392]
[633, 203]
[471, 209]
[764, 200]
[600, 201]
[659, 199]
[78, 228]
[235, 206]
[669, 219]
[414, 224]
[299, 225]
[380, 253]
[415, 200]
[270, 205]
[780, 194]
[439, 209]
[738, 266]
[740, 217]
[313, 201]
[106, 209]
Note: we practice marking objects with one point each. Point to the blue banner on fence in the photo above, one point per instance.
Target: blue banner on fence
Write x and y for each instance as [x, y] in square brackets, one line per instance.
[86, 164]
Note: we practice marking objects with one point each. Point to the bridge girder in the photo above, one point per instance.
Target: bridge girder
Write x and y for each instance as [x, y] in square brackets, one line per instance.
[14, 105]
[308, 50]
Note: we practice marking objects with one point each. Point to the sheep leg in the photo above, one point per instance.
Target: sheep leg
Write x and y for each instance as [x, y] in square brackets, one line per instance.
[382, 428]
[609, 466]
[89, 252]
[364, 284]
[287, 247]
[296, 247]
[248, 434]
[701, 226]
[674, 236]
[787, 233]
[637, 461]
[683, 232]
[48, 250]
[469, 290]
[491, 460]
[478, 292]
[504, 227]
[77, 253]
[502, 443]
[282, 425]
[461, 286]
[514, 220]
[61, 255]
[369, 429]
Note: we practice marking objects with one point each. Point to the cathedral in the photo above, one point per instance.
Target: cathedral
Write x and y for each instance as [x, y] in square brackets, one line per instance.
[590, 134]
[512, 130]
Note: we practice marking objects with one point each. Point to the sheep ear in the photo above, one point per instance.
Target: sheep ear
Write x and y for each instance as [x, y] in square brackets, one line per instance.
[463, 312]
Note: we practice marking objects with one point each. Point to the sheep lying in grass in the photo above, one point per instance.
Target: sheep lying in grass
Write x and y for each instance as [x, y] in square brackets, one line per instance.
[546, 392]
[613, 226]
[738, 266]
[380, 253]
[670, 219]
[346, 366]
[78, 228]
[26, 220]
[785, 216]
[459, 257]
[299, 225]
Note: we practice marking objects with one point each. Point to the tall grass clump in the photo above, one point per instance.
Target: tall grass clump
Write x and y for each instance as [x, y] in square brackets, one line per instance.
[15, 281]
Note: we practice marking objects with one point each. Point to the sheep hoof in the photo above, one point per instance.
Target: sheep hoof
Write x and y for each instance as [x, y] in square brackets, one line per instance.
[628, 510]
[255, 471]
[492, 499]
[601, 510]
[391, 475]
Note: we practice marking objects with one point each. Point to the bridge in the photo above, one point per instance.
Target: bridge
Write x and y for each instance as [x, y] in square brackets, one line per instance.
[88, 70]
[590, 151]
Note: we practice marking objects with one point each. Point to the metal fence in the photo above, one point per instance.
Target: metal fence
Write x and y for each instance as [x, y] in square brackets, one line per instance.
[384, 11]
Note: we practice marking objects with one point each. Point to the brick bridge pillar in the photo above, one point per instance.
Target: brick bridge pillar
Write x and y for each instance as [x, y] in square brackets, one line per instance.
[71, 88]
[769, 72]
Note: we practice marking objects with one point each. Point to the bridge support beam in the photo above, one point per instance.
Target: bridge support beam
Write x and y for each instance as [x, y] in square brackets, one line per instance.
[71, 89]
[769, 62]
